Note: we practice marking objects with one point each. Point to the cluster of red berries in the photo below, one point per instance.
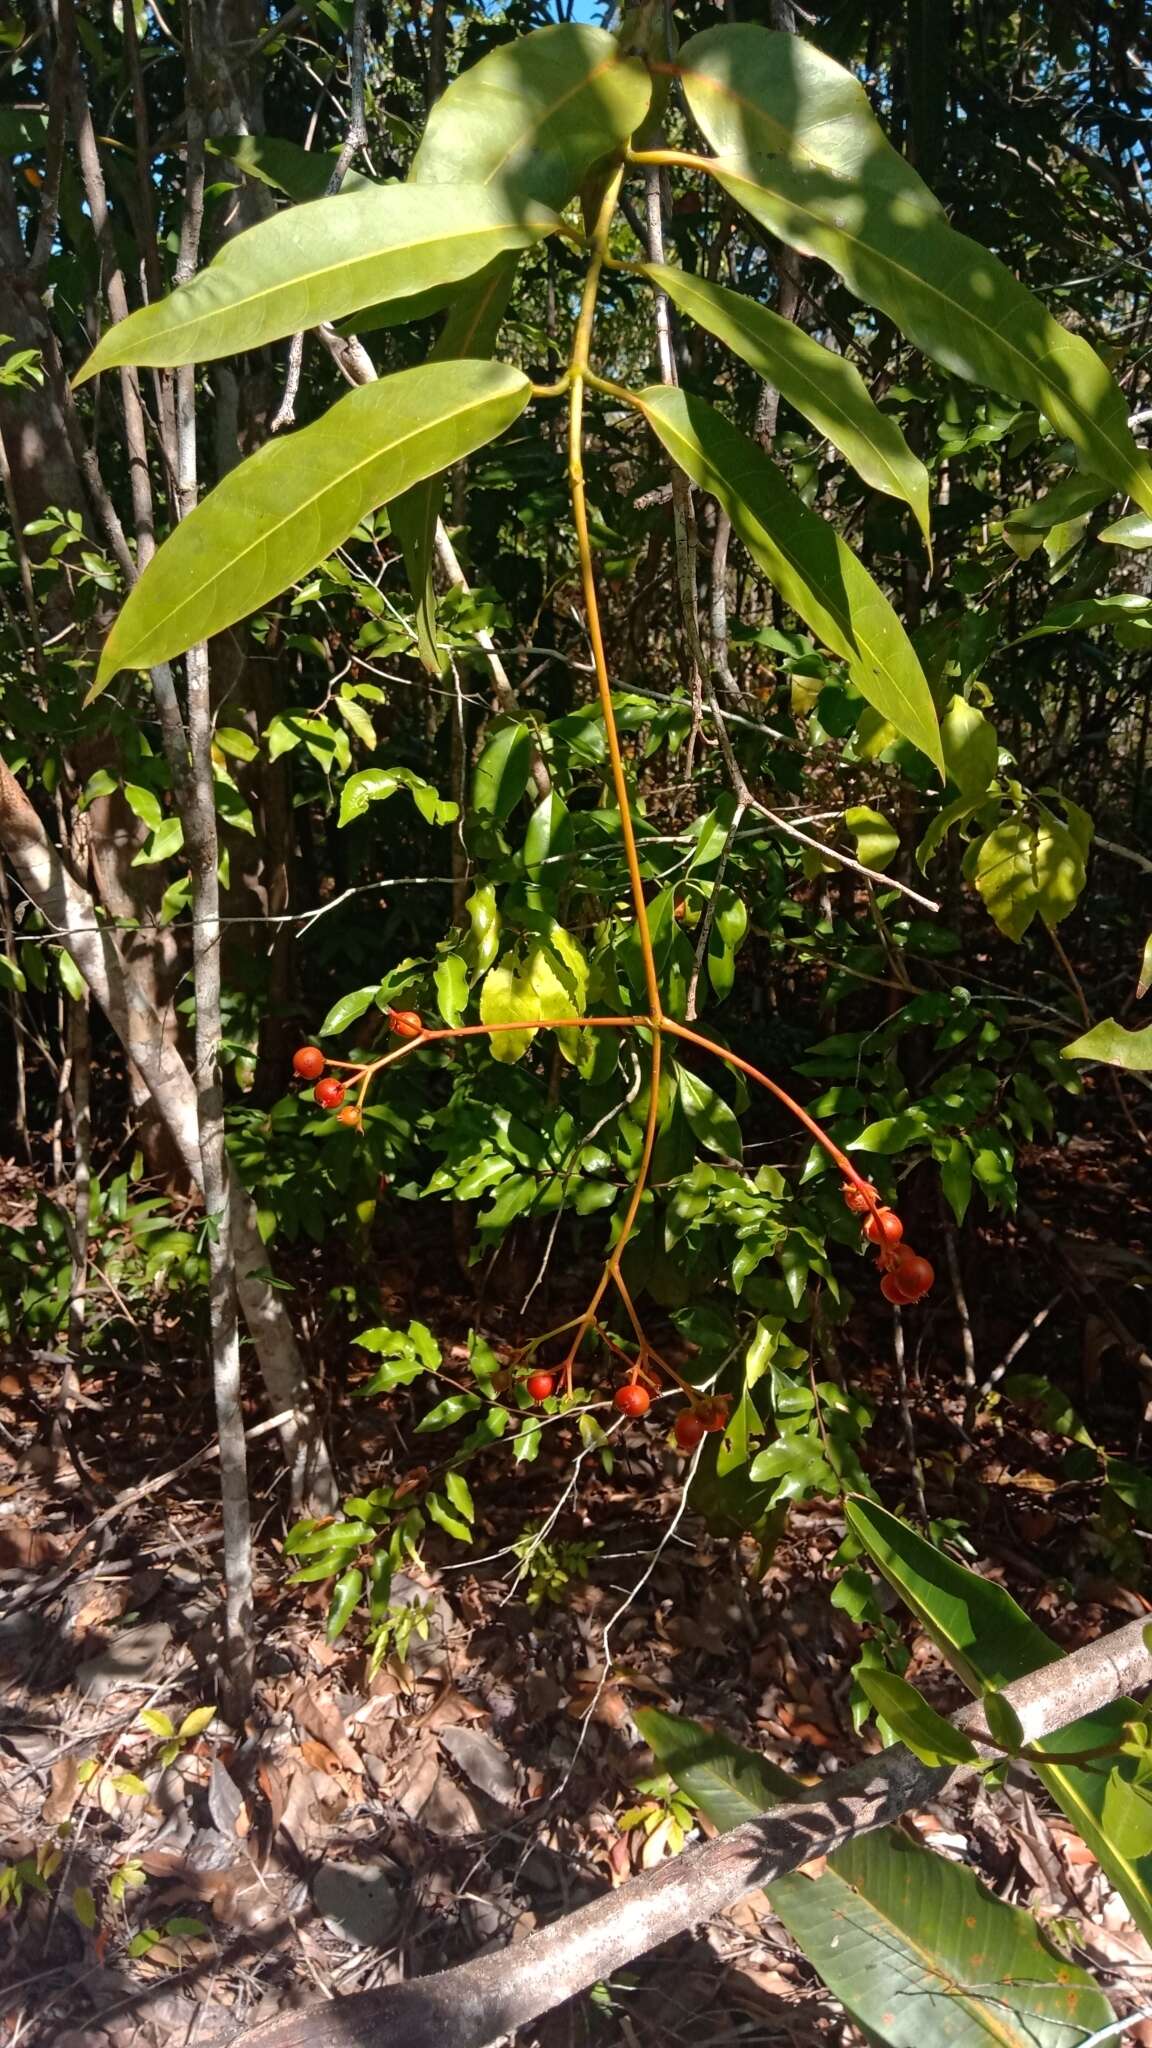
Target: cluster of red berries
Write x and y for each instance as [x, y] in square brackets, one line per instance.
[634, 1401]
[906, 1277]
[308, 1064]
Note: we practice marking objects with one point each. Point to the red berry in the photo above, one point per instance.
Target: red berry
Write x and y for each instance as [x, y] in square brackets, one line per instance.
[540, 1385]
[892, 1291]
[329, 1094]
[855, 1197]
[689, 1428]
[308, 1063]
[350, 1115]
[405, 1023]
[914, 1274]
[884, 1227]
[633, 1400]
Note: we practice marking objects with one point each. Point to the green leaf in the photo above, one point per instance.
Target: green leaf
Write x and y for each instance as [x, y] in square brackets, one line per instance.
[1134, 531]
[709, 1117]
[195, 1722]
[804, 154]
[918, 1726]
[1003, 1722]
[443, 1516]
[1115, 1045]
[533, 116]
[452, 1409]
[890, 1134]
[825, 387]
[990, 1641]
[456, 1487]
[1122, 607]
[376, 785]
[451, 979]
[911, 1944]
[278, 514]
[347, 1010]
[145, 804]
[1029, 865]
[84, 1906]
[877, 842]
[549, 834]
[345, 1599]
[321, 262]
[1128, 1816]
[807, 561]
[501, 773]
[956, 1178]
[157, 1722]
[301, 173]
[168, 837]
[971, 751]
[74, 982]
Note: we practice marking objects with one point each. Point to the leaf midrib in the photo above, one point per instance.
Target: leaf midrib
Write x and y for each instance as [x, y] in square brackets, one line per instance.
[298, 510]
[851, 631]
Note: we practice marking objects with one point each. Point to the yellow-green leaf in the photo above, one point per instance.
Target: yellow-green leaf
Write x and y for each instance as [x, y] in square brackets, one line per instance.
[825, 387]
[286, 508]
[1029, 865]
[534, 115]
[320, 262]
[1114, 1045]
[807, 561]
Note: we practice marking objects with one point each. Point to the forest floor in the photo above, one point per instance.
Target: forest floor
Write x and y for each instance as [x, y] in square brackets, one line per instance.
[361, 1830]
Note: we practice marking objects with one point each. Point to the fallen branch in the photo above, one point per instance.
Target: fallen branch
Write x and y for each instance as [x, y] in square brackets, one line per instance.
[468, 2007]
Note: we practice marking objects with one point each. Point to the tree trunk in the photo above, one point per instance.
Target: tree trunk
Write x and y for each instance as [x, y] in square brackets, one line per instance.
[69, 908]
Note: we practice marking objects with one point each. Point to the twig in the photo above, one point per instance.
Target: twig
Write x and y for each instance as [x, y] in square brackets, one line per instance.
[906, 1422]
[1017, 1345]
[791, 831]
[966, 1340]
[355, 138]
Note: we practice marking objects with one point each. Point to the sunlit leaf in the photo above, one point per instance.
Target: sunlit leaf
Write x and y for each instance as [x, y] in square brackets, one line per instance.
[807, 561]
[1114, 1046]
[803, 152]
[293, 502]
[825, 387]
[320, 262]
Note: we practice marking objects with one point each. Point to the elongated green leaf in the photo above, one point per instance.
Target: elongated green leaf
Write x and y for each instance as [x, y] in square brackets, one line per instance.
[501, 773]
[917, 1725]
[810, 565]
[828, 390]
[990, 1641]
[533, 116]
[801, 150]
[912, 1945]
[301, 173]
[1113, 1044]
[290, 504]
[320, 262]
[709, 1117]
[1120, 608]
